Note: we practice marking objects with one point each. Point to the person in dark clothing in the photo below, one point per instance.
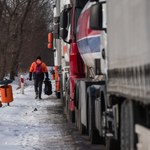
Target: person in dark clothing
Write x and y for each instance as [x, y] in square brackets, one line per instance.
[38, 69]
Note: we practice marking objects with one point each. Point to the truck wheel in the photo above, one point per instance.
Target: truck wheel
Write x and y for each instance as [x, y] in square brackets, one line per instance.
[94, 137]
[91, 117]
[72, 116]
[127, 126]
[83, 129]
[93, 132]
[111, 144]
[58, 94]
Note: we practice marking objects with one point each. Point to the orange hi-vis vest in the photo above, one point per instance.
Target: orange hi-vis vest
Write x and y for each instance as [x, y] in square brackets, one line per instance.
[34, 65]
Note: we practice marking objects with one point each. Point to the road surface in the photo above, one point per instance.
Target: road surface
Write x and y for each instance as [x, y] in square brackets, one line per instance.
[30, 124]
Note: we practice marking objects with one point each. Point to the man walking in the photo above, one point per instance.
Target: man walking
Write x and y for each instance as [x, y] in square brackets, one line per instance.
[38, 69]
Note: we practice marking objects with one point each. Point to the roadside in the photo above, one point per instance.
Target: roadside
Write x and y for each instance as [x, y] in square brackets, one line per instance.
[29, 124]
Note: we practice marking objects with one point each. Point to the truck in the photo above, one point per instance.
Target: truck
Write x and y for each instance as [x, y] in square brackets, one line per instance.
[54, 44]
[128, 76]
[71, 65]
[108, 84]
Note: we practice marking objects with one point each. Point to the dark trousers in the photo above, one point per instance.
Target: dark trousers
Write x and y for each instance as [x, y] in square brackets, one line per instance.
[38, 87]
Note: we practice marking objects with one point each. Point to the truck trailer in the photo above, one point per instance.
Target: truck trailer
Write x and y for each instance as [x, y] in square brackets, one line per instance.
[127, 83]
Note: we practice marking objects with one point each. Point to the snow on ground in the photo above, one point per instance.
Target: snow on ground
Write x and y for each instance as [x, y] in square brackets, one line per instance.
[18, 125]
[31, 124]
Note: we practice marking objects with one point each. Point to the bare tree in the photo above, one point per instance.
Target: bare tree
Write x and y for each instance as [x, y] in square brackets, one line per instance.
[4, 25]
[19, 36]
[35, 44]
[21, 21]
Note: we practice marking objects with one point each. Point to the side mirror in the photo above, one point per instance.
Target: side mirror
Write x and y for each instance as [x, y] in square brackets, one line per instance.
[63, 33]
[93, 0]
[97, 16]
[80, 3]
[64, 22]
[63, 19]
[50, 41]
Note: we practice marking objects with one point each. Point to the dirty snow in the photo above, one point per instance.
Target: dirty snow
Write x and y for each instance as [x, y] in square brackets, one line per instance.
[25, 123]
[31, 124]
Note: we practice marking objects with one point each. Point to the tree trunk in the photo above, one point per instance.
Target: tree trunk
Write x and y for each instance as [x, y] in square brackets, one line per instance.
[19, 30]
[2, 65]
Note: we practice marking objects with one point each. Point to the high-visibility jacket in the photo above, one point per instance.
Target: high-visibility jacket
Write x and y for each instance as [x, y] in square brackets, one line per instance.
[43, 67]
[34, 64]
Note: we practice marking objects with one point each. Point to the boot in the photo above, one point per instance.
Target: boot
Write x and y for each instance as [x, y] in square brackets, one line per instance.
[36, 96]
[1, 104]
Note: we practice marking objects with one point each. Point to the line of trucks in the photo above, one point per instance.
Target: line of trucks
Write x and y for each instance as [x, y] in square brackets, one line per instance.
[102, 66]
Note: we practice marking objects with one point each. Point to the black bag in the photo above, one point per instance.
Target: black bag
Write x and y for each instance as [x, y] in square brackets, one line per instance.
[47, 87]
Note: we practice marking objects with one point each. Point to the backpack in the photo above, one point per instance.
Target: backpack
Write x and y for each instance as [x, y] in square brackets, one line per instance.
[38, 69]
[47, 87]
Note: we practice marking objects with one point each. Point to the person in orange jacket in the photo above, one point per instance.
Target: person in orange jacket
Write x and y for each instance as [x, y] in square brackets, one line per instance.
[37, 70]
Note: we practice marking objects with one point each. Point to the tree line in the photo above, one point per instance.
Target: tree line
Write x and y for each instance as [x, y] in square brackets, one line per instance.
[24, 25]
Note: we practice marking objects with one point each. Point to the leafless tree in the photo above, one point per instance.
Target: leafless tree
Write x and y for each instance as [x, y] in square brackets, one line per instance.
[21, 22]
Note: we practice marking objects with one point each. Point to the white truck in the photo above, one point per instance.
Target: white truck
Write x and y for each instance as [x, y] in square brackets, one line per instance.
[61, 51]
[128, 80]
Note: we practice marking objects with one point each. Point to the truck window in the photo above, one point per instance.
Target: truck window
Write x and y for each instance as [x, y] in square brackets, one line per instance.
[79, 5]
[77, 14]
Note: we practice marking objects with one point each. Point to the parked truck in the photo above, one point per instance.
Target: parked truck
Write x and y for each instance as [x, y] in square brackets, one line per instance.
[128, 99]
[108, 84]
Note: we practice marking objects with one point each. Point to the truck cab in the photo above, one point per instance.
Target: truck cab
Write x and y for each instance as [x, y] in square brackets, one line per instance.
[68, 20]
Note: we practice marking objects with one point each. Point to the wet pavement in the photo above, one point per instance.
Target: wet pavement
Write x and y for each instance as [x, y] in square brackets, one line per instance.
[29, 124]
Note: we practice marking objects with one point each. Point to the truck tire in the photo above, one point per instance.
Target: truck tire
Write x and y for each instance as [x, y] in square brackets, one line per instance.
[83, 129]
[72, 116]
[127, 126]
[67, 96]
[111, 144]
[93, 132]
[91, 119]
[77, 105]
[58, 95]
